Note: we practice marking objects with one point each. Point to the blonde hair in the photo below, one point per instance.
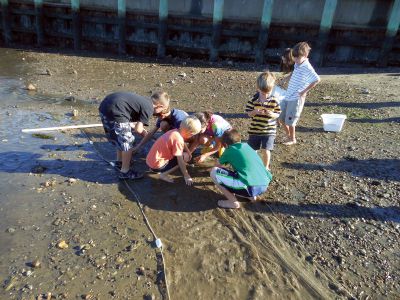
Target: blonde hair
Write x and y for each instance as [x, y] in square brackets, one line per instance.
[301, 49]
[266, 81]
[191, 124]
[161, 98]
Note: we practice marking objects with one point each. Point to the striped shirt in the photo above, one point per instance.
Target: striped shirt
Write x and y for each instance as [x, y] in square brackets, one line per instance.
[303, 75]
[261, 124]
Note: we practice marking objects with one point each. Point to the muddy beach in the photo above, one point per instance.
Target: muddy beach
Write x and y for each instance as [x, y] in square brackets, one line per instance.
[328, 228]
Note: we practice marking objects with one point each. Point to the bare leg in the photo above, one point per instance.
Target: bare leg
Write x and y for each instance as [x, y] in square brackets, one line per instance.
[232, 201]
[287, 131]
[266, 158]
[165, 175]
[292, 130]
[126, 160]
[119, 155]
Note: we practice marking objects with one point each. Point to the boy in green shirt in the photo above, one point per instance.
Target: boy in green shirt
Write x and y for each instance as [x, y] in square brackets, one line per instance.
[249, 177]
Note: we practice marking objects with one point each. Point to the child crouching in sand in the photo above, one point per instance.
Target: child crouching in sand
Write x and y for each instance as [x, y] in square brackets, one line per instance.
[167, 153]
[212, 128]
[249, 177]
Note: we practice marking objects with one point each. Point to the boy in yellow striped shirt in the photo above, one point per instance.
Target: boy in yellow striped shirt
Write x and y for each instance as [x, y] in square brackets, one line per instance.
[263, 109]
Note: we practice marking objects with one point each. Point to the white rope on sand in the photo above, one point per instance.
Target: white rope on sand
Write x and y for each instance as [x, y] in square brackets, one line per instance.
[157, 240]
[61, 128]
[67, 127]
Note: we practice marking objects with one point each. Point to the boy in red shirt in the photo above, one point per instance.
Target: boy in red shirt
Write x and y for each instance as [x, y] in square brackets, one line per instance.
[167, 153]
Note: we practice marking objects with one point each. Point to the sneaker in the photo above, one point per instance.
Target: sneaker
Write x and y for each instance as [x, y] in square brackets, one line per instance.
[118, 164]
[130, 175]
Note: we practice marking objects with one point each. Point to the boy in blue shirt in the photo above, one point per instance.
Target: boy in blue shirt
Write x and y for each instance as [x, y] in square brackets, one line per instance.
[167, 119]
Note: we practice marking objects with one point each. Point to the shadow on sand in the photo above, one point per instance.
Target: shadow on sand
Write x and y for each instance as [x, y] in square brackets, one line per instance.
[324, 211]
[382, 169]
[367, 105]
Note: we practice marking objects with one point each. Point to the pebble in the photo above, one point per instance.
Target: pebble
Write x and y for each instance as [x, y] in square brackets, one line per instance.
[149, 297]
[140, 270]
[31, 87]
[183, 75]
[10, 230]
[70, 98]
[365, 91]
[62, 244]
[36, 264]
[71, 180]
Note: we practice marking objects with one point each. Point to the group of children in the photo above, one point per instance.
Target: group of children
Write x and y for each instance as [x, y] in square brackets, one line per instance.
[249, 173]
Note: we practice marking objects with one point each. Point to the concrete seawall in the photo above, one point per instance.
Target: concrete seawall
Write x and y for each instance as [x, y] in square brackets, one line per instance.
[340, 32]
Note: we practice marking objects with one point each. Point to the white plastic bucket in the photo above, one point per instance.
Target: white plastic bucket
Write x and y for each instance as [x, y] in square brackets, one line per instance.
[333, 122]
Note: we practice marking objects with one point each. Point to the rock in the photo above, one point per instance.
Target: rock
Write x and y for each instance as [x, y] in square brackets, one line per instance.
[70, 98]
[31, 87]
[71, 180]
[183, 75]
[87, 296]
[36, 264]
[140, 270]
[159, 84]
[365, 91]
[62, 244]
[310, 259]
[149, 297]
[75, 72]
[363, 252]
[171, 81]
[10, 230]
[75, 113]
[48, 72]
[10, 284]
[38, 169]
[27, 273]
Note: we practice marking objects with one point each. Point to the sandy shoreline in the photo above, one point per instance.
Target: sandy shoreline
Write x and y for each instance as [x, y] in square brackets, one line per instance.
[328, 227]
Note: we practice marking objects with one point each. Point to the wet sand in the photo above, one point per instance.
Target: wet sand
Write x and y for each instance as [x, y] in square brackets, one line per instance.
[328, 227]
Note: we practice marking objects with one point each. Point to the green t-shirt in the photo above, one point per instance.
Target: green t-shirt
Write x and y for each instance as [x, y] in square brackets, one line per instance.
[246, 162]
